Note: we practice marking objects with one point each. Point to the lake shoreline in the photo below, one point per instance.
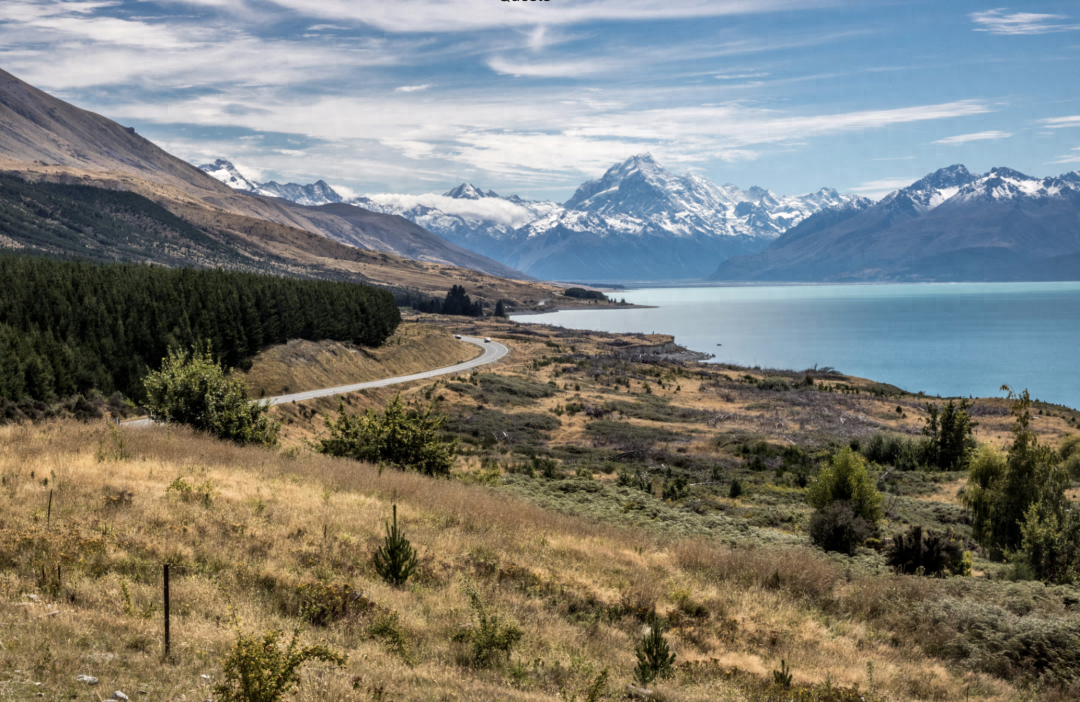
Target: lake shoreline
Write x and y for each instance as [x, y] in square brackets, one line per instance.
[942, 339]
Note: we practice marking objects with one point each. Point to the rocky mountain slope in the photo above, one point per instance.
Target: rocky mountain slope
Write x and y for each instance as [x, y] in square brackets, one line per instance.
[950, 225]
[44, 138]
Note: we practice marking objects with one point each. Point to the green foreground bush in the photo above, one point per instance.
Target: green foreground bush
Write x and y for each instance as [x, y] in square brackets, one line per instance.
[193, 389]
[259, 670]
[405, 439]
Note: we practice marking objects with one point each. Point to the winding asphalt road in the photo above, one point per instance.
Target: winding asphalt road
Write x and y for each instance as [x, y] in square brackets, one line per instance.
[493, 351]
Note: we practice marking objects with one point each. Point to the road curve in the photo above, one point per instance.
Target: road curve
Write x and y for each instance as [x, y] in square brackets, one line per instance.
[493, 351]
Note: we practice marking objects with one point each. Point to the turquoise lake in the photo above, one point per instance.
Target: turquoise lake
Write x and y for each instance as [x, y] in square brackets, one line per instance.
[949, 339]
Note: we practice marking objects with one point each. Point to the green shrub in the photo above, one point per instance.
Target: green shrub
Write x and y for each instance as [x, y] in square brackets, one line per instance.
[774, 384]
[838, 528]
[320, 604]
[1050, 540]
[928, 553]
[1069, 450]
[846, 479]
[675, 489]
[736, 489]
[654, 656]
[395, 560]
[489, 638]
[504, 390]
[948, 430]
[503, 427]
[893, 450]
[258, 670]
[193, 389]
[406, 439]
[387, 628]
[1001, 489]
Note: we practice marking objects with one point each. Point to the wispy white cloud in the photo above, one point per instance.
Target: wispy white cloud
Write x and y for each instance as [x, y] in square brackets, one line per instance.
[877, 189]
[471, 15]
[1072, 156]
[495, 209]
[1059, 122]
[549, 69]
[998, 22]
[977, 136]
[413, 88]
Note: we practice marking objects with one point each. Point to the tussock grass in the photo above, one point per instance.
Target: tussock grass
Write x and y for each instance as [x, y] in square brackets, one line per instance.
[257, 525]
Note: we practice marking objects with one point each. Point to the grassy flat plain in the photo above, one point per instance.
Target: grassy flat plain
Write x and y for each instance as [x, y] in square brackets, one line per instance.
[541, 518]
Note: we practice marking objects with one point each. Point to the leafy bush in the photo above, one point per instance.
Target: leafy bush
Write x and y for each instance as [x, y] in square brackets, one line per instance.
[774, 384]
[321, 604]
[838, 528]
[258, 670]
[847, 480]
[1069, 450]
[929, 553]
[387, 628]
[654, 656]
[893, 450]
[736, 489]
[401, 438]
[193, 389]
[949, 435]
[1050, 540]
[395, 560]
[490, 637]
[1001, 489]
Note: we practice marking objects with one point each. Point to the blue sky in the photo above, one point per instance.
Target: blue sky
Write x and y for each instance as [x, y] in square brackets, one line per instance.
[416, 96]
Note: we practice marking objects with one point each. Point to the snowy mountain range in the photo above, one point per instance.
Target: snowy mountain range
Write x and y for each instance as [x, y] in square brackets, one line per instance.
[317, 193]
[950, 225]
[637, 222]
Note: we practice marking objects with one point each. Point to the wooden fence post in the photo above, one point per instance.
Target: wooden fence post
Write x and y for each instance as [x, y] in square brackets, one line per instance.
[166, 610]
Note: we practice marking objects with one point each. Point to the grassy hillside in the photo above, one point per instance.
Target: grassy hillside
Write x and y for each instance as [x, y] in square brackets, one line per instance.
[246, 528]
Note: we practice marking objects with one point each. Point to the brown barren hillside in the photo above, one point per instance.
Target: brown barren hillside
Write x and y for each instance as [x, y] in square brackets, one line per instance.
[42, 136]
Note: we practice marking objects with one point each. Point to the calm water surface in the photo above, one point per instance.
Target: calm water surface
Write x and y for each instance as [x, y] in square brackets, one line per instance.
[954, 339]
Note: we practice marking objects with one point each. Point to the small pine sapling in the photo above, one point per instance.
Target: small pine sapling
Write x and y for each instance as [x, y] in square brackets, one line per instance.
[653, 654]
[395, 560]
[782, 677]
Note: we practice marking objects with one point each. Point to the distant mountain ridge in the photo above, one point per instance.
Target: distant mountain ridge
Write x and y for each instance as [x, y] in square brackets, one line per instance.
[636, 222]
[43, 138]
[950, 225]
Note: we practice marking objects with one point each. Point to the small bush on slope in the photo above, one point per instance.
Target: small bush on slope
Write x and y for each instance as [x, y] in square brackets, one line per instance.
[193, 389]
[401, 438]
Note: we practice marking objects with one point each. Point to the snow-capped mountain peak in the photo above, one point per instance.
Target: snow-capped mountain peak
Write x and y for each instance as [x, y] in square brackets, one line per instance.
[314, 194]
[468, 191]
[227, 173]
[930, 191]
[1005, 184]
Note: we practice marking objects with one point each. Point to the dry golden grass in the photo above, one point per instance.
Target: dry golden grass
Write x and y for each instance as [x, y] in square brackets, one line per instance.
[273, 522]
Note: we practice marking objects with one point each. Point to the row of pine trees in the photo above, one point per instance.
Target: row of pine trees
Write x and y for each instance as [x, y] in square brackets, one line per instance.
[68, 328]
